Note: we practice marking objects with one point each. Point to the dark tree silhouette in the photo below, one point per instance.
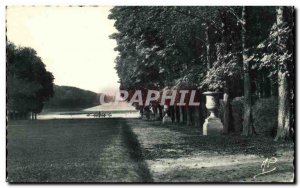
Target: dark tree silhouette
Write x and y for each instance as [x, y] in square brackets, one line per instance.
[29, 84]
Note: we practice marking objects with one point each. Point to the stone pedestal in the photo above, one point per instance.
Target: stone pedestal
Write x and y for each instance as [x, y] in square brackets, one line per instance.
[166, 119]
[212, 124]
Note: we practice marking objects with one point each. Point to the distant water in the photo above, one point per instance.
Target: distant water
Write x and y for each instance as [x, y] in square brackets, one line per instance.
[79, 115]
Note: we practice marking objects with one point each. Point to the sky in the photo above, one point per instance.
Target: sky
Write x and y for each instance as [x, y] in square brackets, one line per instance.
[73, 43]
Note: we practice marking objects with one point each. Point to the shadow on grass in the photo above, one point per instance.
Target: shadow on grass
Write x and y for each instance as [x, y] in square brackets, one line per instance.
[136, 153]
[192, 141]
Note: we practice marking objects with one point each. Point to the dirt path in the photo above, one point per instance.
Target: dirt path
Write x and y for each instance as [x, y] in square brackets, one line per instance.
[181, 154]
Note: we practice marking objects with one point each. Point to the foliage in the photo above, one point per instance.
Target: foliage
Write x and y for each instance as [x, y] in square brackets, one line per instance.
[66, 97]
[29, 84]
[159, 45]
[268, 55]
[210, 48]
[264, 116]
[228, 67]
[164, 44]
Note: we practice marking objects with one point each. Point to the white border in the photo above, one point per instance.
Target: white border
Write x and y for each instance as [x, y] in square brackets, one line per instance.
[3, 3]
[150, 2]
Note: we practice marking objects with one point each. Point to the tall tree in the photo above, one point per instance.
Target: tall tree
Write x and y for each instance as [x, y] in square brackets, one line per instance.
[275, 55]
[247, 127]
[29, 84]
[284, 108]
[170, 44]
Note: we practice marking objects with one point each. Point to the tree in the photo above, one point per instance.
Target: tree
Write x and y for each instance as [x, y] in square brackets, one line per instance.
[247, 127]
[227, 49]
[73, 98]
[285, 61]
[275, 54]
[151, 58]
[29, 84]
[233, 58]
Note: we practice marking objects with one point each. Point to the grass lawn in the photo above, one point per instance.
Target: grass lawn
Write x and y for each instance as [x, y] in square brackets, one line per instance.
[87, 150]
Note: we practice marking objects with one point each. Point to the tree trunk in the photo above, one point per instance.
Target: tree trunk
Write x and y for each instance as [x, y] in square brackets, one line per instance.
[172, 114]
[176, 114]
[207, 47]
[196, 116]
[203, 111]
[181, 114]
[188, 116]
[156, 113]
[283, 108]
[247, 126]
[141, 111]
[226, 114]
[160, 113]
[283, 86]
[192, 110]
[274, 88]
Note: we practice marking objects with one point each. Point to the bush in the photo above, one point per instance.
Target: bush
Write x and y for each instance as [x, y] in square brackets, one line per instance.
[237, 107]
[264, 115]
[237, 113]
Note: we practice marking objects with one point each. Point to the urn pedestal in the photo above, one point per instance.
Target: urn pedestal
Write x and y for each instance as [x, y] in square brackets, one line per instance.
[166, 119]
[212, 124]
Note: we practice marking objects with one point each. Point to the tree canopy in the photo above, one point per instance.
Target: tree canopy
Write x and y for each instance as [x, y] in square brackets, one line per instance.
[29, 84]
[71, 98]
[160, 45]
[239, 51]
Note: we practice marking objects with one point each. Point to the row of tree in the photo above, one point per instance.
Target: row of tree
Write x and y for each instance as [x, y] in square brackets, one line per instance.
[240, 51]
[29, 84]
[71, 98]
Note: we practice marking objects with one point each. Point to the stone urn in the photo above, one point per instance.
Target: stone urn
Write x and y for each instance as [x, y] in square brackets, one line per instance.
[212, 124]
[166, 118]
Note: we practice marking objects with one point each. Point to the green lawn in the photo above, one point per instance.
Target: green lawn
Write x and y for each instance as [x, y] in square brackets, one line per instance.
[88, 150]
